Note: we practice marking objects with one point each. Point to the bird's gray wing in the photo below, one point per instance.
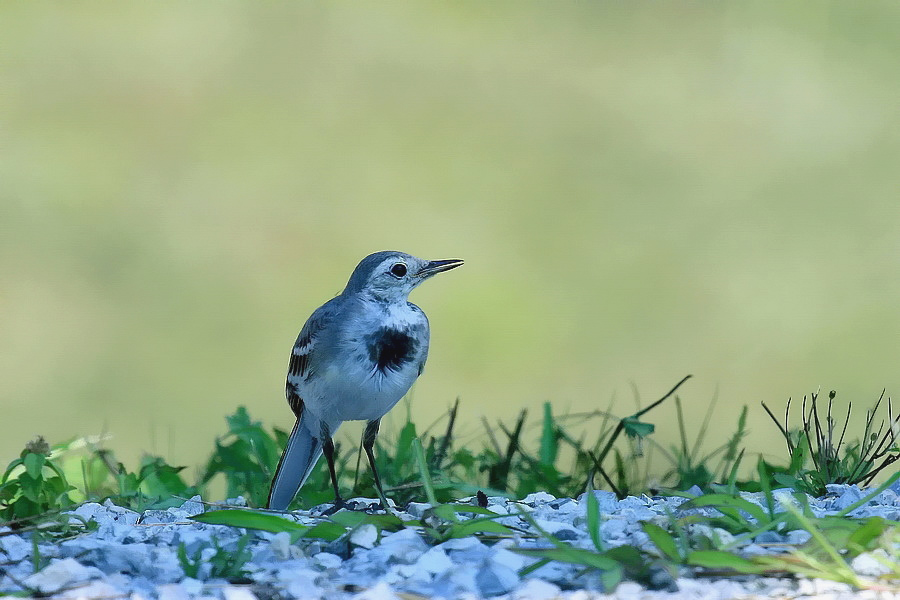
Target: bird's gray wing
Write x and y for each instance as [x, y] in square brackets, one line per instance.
[302, 363]
[304, 446]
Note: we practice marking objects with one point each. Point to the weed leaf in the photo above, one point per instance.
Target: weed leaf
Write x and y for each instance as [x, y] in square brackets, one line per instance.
[593, 519]
[663, 540]
[250, 519]
[718, 559]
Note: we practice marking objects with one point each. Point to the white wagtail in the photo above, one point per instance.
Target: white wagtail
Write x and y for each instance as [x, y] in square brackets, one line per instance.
[355, 357]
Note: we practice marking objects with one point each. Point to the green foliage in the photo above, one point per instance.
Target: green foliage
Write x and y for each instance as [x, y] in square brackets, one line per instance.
[224, 563]
[593, 519]
[424, 472]
[517, 470]
[819, 454]
[156, 484]
[33, 486]
[246, 456]
[690, 466]
[613, 565]
[442, 522]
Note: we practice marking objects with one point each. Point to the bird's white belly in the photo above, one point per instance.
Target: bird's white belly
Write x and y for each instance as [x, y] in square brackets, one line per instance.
[355, 393]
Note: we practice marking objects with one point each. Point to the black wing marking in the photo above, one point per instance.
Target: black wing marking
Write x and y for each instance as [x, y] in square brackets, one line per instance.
[299, 368]
[300, 358]
[294, 400]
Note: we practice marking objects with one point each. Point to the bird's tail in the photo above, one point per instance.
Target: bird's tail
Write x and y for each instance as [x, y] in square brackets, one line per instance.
[300, 456]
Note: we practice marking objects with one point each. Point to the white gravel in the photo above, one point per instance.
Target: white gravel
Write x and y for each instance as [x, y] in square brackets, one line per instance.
[134, 556]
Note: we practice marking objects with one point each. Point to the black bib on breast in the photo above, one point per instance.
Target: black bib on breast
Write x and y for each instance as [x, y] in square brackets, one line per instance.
[390, 348]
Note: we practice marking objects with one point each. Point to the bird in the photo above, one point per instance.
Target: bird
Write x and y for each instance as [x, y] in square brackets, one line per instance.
[355, 357]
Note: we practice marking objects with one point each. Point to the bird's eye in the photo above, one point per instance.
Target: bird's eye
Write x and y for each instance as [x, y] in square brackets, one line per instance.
[398, 270]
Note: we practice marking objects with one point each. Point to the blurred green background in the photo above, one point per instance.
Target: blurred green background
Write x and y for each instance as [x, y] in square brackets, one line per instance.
[639, 192]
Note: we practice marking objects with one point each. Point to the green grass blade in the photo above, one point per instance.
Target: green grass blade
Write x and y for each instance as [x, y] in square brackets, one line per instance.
[351, 519]
[766, 486]
[549, 444]
[593, 519]
[735, 467]
[729, 506]
[448, 511]
[473, 526]
[572, 555]
[838, 566]
[250, 519]
[663, 541]
[419, 454]
[327, 530]
[718, 559]
[870, 531]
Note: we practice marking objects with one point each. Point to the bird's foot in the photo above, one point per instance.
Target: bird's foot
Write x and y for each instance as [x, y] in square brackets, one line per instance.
[366, 505]
[329, 509]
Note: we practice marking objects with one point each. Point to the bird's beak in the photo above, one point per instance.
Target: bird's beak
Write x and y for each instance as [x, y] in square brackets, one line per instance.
[438, 266]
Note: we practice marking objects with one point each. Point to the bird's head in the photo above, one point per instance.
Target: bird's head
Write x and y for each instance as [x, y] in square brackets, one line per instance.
[391, 276]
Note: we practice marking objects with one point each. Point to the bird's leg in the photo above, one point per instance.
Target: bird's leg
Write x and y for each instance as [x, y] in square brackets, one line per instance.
[368, 443]
[328, 451]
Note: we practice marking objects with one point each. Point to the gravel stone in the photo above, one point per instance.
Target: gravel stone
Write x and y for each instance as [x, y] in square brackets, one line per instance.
[435, 561]
[846, 495]
[538, 498]
[615, 530]
[872, 564]
[15, 547]
[299, 583]
[156, 517]
[417, 509]
[60, 574]
[509, 559]
[769, 537]
[381, 591]
[495, 578]
[364, 536]
[455, 583]
[172, 591]
[94, 589]
[555, 527]
[326, 560]
[797, 537]
[404, 546]
[606, 500]
[233, 592]
[536, 589]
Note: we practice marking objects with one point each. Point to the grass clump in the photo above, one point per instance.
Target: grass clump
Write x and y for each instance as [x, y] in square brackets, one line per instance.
[33, 485]
[818, 452]
[223, 563]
